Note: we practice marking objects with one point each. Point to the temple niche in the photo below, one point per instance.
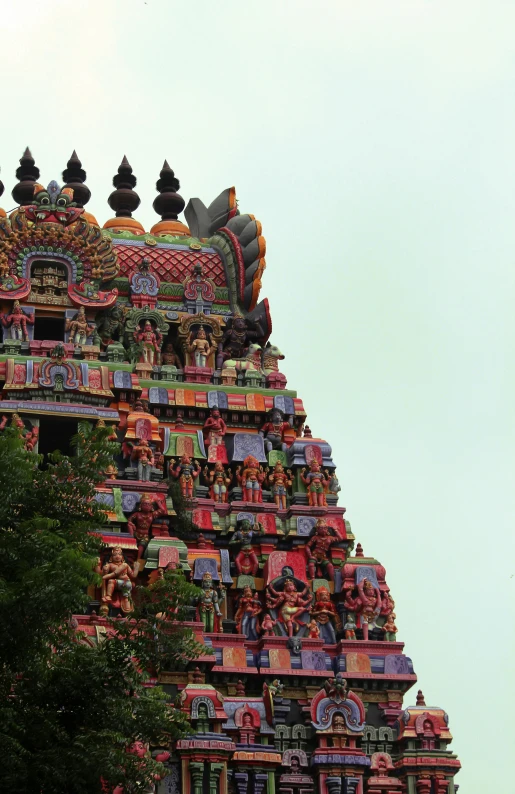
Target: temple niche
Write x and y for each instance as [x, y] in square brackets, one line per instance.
[162, 335]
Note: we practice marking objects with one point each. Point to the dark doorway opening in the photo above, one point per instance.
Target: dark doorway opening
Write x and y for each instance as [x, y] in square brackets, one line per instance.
[56, 433]
[51, 328]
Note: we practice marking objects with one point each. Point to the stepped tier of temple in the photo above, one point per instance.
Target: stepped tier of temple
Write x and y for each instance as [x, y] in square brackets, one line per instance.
[161, 334]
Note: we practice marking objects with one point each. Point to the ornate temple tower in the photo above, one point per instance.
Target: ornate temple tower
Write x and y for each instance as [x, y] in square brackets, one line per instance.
[304, 685]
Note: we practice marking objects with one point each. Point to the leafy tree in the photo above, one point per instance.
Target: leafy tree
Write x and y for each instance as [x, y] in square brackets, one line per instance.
[70, 707]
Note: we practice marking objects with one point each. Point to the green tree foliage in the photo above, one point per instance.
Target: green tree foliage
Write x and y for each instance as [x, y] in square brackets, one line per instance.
[70, 706]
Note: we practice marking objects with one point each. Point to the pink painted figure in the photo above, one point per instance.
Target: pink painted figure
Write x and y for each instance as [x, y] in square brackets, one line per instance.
[267, 626]
[214, 429]
[140, 522]
[143, 456]
[79, 328]
[316, 484]
[117, 574]
[17, 322]
[186, 471]
[251, 479]
[366, 604]
[151, 342]
[290, 605]
[313, 630]
[280, 481]
[390, 629]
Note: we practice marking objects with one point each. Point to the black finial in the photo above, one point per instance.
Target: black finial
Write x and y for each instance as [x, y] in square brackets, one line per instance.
[74, 176]
[168, 204]
[1, 187]
[124, 200]
[27, 173]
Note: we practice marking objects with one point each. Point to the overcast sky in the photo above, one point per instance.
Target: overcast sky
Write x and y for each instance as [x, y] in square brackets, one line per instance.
[375, 141]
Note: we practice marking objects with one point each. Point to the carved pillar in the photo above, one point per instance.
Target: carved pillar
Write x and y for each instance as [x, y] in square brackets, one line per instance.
[424, 785]
[215, 771]
[350, 785]
[260, 781]
[197, 776]
[242, 781]
[442, 786]
[334, 785]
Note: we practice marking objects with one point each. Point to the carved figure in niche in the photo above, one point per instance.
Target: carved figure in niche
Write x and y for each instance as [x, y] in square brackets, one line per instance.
[313, 630]
[389, 628]
[246, 561]
[140, 522]
[274, 431]
[17, 322]
[318, 548]
[219, 479]
[186, 471]
[111, 325]
[336, 688]
[235, 340]
[246, 617]
[208, 609]
[150, 342]
[366, 604]
[118, 575]
[143, 455]
[387, 604]
[290, 605]
[170, 357]
[316, 482]
[200, 346]
[350, 628]
[247, 730]
[250, 479]
[79, 328]
[214, 429]
[267, 626]
[325, 614]
[333, 486]
[280, 482]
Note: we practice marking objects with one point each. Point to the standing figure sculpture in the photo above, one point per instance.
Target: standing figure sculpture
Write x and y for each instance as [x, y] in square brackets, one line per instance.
[17, 322]
[150, 342]
[290, 605]
[79, 328]
[186, 471]
[246, 561]
[140, 522]
[170, 358]
[246, 617]
[235, 340]
[316, 484]
[200, 347]
[390, 629]
[218, 479]
[208, 605]
[117, 574]
[250, 479]
[280, 481]
[214, 429]
[318, 548]
[325, 614]
[366, 604]
[142, 453]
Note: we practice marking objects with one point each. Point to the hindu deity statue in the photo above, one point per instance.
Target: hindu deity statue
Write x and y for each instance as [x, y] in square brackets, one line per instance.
[366, 604]
[79, 328]
[324, 613]
[140, 522]
[318, 548]
[389, 628]
[170, 357]
[267, 626]
[111, 325]
[208, 605]
[290, 605]
[313, 629]
[214, 429]
[186, 471]
[150, 342]
[316, 483]
[219, 479]
[143, 455]
[350, 628]
[247, 614]
[273, 431]
[117, 575]
[17, 322]
[246, 561]
[280, 481]
[235, 340]
[200, 346]
[250, 479]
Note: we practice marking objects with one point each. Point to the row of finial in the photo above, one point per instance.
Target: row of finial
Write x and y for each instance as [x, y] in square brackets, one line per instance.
[123, 200]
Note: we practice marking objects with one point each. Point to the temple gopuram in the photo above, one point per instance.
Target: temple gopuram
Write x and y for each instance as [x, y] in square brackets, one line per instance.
[162, 336]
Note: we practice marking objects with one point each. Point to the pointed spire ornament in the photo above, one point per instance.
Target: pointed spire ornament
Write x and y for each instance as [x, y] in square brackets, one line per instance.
[124, 200]
[420, 698]
[27, 174]
[74, 177]
[168, 204]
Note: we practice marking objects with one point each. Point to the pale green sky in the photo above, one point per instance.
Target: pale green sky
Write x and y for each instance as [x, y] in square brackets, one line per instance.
[375, 140]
